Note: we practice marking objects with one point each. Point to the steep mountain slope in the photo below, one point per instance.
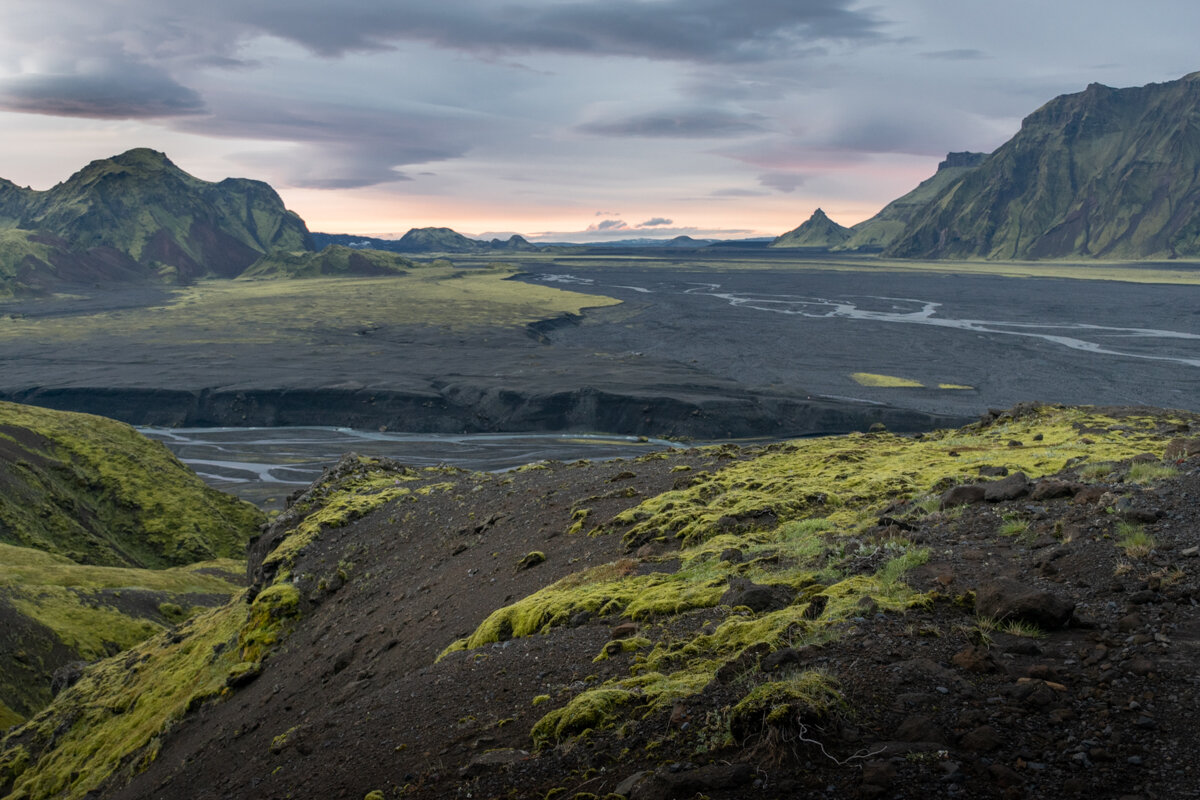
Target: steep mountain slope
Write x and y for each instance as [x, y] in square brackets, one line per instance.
[845, 616]
[818, 232]
[876, 233]
[1104, 173]
[105, 540]
[97, 492]
[137, 214]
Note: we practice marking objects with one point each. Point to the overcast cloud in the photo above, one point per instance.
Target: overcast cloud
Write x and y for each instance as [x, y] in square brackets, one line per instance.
[719, 114]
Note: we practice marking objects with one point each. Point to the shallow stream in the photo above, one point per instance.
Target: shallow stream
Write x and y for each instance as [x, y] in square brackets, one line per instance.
[265, 465]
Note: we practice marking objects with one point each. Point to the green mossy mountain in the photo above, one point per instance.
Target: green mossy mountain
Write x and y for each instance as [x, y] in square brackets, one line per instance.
[138, 216]
[1104, 173]
[878, 232]
[334, 260]
[817, 232]
[97, 492]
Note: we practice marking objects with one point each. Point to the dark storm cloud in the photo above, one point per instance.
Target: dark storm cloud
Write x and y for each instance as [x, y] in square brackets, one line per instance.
[118, 92]
[340, 147]
[698, 124]
[689, 30]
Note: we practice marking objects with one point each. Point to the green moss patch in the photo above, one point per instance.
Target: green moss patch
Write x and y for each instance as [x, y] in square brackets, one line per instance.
[874, 380]
[109, 722]
[849, 479]
[98, 492]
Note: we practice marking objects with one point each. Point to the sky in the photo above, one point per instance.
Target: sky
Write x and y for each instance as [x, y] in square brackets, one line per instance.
[579, 120]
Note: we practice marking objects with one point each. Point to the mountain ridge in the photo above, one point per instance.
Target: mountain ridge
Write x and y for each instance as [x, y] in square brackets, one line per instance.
[1104, 173]
[137, 216]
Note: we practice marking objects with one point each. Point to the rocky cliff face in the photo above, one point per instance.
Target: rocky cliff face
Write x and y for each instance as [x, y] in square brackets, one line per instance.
[1104, 173]
[137, 214]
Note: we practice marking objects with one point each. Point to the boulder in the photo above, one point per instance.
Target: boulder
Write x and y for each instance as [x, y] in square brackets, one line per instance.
[963, 495]
[1005, 598]
[1181, 449]
[664, 785]
[1008, 488]
[755, 596]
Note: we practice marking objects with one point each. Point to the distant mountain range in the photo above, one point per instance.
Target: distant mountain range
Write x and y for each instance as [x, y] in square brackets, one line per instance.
[447, 241]
[1104, 173]
[426, 240]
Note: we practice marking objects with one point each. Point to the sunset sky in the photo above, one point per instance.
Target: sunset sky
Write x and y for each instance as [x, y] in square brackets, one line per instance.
[560, 119]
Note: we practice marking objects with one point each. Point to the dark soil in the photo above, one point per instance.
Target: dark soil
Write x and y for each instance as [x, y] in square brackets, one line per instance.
[354, 702]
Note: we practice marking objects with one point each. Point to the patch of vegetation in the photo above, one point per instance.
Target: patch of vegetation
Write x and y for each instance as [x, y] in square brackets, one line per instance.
[885, 381]
[1013, 524]
[801, 699]
[850, 479]
[98, 492]
[1134, 540]
[109, 723]
[590, 710]
[304, 311]
[1146, 472]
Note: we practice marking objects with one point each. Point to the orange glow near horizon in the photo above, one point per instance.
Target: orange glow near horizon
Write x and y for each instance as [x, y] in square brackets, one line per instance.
[382, 211]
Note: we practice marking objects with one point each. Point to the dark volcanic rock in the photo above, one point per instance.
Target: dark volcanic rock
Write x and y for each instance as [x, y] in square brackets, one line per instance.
[665, 785]
[1181, 449]
[1006, 598]
[1009, 488]
[754, 596]
[963, 495]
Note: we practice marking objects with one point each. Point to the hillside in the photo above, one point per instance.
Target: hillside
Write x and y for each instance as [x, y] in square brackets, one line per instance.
[97, 492]
[817, 232]
[137, 216]
[1001, 610]
[333, 261]
[881, 230]
[1104, 173]
[105, 540]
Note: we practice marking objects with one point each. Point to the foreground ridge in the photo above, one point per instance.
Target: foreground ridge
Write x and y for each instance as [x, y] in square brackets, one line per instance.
[1000, 610]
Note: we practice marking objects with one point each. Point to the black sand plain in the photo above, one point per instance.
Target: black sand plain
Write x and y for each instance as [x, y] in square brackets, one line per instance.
[703, 346]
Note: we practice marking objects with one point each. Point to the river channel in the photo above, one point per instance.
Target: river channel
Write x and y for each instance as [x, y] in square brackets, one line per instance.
[265, 465]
